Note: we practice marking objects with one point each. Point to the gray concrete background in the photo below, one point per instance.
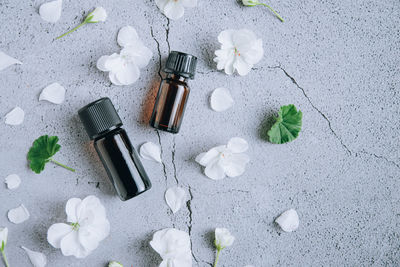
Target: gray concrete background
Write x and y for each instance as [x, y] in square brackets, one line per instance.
[337, 61]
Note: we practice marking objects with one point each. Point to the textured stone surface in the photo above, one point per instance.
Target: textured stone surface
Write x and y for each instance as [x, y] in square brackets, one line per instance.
[337, 61]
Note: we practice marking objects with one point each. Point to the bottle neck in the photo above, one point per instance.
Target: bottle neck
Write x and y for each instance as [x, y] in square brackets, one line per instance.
[176, 77]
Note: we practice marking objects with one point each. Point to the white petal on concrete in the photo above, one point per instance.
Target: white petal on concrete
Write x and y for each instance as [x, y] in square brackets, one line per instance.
[51, 11]
[288, 221]
[221, 99]
[37, 259]
[18, 215]
[127, 36]
[15, 116]
[114, 264]
[13, 181]
[54, 93]
[150, 151]
[175, 198]
[6, 61]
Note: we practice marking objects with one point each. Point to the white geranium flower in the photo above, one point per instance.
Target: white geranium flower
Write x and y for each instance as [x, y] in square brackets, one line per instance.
[3, 243]
[174, 9]
[173, 246]
[226, 160]
[99, 14]
[88, 226]
[124, 67]
[240, 50]
[223, 239]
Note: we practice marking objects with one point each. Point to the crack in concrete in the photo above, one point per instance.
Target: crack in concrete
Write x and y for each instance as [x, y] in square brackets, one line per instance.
[167, 28]
[392, 162]
[190, 222]
[173, 161]
[162, 153]
[158, 50]
[314, 107]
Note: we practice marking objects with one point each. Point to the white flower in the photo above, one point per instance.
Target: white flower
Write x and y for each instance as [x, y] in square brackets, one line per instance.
[51, 11]
[6, 61]
[226, 160]
[37, 259]
[3, 236]
[15, 116]
[288, 221]
[18, 215]
[175, 198]
[13, 181]
[174, 9]
[54, 93]
[123, 68]
[250, 2]
[240, 50]
[221, 99]
[173, 246]
[150, 151]
[88, 226]
[223, 238]
[99, 14]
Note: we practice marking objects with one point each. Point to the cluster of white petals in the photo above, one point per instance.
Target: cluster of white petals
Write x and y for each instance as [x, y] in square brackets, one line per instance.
[225, 160]
[240, 50]
[173, 246]
[88, 226]
[174, 9]
[124, 68]
[223, 238]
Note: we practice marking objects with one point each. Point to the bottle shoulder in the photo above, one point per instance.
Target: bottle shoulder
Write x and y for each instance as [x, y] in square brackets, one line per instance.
[110, 133]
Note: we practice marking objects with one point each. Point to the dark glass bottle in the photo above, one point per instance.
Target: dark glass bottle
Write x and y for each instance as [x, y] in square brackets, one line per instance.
[173, 92]
[114, 148]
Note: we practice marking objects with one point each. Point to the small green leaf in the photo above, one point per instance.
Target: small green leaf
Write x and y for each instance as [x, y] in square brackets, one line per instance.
[287, 125]
[41, 152]
[2, 245]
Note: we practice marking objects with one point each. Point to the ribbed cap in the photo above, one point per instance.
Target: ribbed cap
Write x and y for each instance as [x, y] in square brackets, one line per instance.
[99, 117]
[181, 64]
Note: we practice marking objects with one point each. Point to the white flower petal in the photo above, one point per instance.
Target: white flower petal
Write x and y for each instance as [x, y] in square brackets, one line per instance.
[57, 232]
[128, 74]
[214, 170]
[3, 235]
[221, 99]
[99, 15]
[237, 145]
[150, 151]
[138, 53]
[113, 78]
[174, 10]
[6, 61]
[226, 38]
[175, 198]
[15, 116]
[13, 181]
[51, 11]
[71, 246]
[161, 4]
[172, 244]
[37, 259]
[71, 208]
[205, 158]
[54, 93]
[114, 63]
[127, 36]
[242, 67]
[255, 54]
[223, 238]
[18, 215]
[288, 221]
[101, 63]
[236, 165]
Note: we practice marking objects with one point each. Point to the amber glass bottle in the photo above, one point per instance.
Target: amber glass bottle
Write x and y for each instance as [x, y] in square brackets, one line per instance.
[173, 92]
[114, 148]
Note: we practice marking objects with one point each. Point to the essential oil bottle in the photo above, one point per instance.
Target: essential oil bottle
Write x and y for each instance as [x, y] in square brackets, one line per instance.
[174, 92]
[121, 161]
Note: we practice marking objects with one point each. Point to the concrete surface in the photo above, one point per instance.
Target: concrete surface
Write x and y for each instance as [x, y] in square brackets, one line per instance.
[337, 61]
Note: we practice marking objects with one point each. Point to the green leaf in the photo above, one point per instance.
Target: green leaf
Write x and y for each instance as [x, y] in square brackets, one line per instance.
[41, 152]
[287, 125]
[2, 245]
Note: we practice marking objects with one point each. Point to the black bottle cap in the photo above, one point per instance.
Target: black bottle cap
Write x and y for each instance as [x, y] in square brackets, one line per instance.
[181, 64]
[99, 117]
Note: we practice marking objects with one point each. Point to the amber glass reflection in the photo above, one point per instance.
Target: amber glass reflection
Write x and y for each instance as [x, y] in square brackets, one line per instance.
[170, 104]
